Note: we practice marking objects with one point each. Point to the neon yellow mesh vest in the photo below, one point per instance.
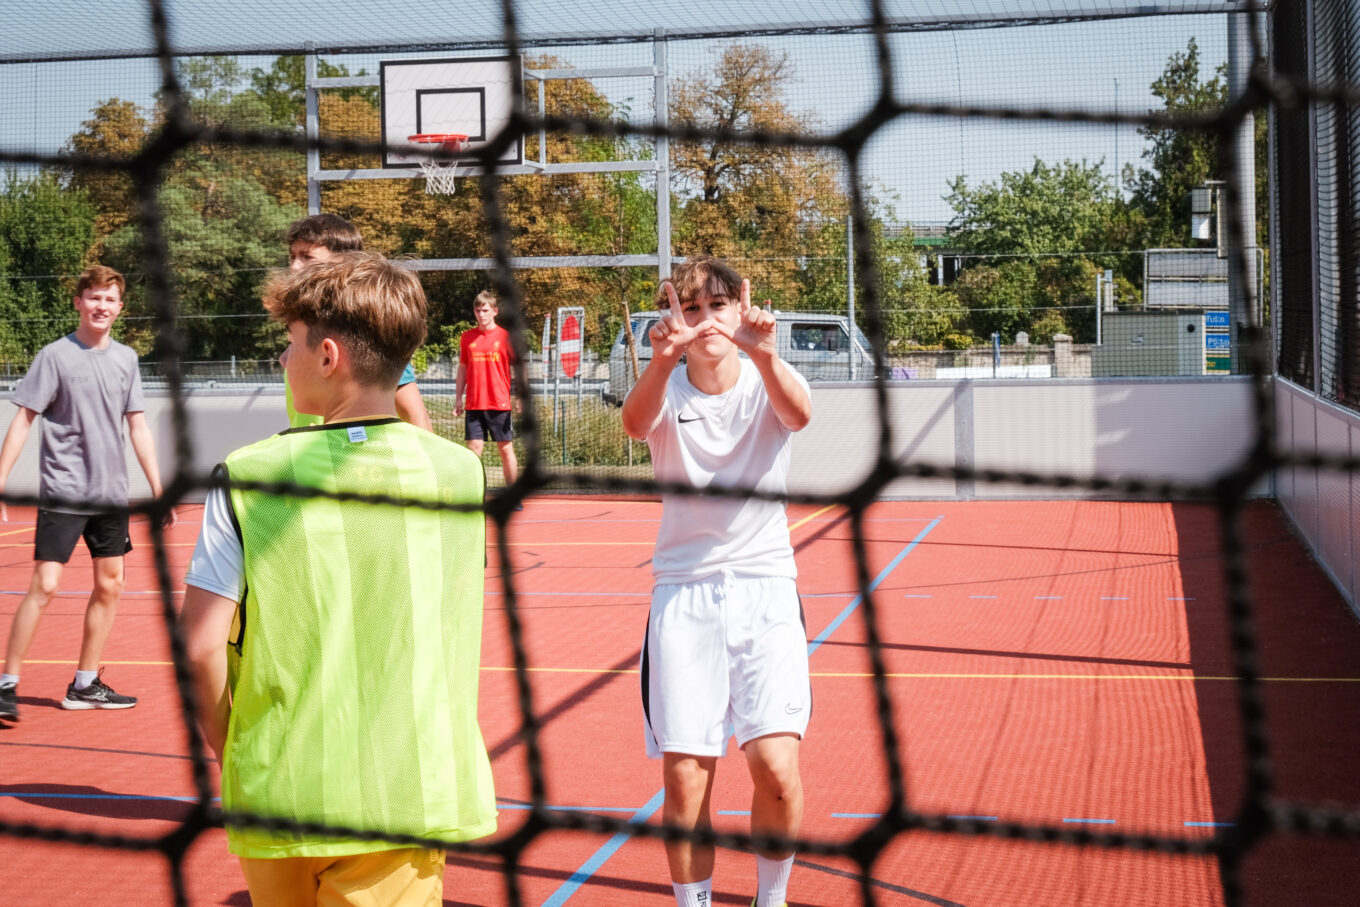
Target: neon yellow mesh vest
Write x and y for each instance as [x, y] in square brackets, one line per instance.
[354, 675]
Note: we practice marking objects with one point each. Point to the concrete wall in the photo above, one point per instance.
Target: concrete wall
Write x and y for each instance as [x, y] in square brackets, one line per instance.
[1166, 429]
[1321, 504]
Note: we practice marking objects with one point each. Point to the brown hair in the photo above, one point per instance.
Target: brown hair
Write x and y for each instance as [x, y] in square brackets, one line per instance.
[100, 276]
[701, 274]
[329, 230]
[488, 297]
[370, 305]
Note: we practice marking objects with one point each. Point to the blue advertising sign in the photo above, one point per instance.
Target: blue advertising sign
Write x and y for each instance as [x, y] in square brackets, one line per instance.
[1216, 321]
[1217, 342]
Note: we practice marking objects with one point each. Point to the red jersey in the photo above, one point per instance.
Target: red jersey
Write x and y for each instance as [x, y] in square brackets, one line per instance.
[486, 356]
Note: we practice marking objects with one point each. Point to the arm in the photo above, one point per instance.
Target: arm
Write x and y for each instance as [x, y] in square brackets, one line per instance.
[671, 336]
[756, 337]
[205, 623]
[458, 387]
[144, 446]
[411, 407]
[9, 450]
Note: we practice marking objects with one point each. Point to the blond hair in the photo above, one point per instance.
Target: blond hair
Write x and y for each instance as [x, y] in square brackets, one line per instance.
[100, 276]
[699, 275]
[369, 305]
[487, 297]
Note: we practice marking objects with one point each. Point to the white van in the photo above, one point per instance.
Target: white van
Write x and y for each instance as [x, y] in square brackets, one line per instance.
[817, 344]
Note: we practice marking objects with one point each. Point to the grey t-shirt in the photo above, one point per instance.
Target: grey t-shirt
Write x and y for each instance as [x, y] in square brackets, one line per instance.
[82, 395]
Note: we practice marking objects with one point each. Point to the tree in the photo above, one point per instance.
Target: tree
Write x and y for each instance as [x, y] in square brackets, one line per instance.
[1183, 159]
[46, 230]
[117, 129]
[1056, 209]
[751, 203]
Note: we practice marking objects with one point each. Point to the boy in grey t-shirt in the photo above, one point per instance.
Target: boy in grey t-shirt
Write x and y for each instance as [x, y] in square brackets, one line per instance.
[83, 386]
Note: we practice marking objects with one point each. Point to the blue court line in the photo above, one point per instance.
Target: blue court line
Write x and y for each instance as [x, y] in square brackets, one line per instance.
[982, 596]
[1211, 824]
[878, 581]
[1172, 598]
[734, 812]
[1091, 821]
[1114, 598]
[591, 866]
[43, 795]
[976, 818]
[857, 815]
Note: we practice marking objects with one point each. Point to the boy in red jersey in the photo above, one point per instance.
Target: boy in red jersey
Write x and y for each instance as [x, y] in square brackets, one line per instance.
[485, 355]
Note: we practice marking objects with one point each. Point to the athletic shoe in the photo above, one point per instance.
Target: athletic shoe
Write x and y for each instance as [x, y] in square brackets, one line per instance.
[9, 703]
[753, 903]
[97, 695]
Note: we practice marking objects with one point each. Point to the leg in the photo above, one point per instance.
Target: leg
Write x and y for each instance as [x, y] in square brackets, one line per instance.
[100, 611]
[475, 445]
[509, 465]
[41, 589]
[777, 802]
[689, 783]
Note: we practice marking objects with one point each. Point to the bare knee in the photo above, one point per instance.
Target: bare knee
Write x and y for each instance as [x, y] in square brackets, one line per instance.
[774, 771]
[108, 582]
[687, 782]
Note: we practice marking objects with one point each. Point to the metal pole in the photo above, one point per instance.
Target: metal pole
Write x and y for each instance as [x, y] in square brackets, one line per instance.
[850, 288]
[313, 132]
[1100, 289]
[663, 156]
[1244, 303]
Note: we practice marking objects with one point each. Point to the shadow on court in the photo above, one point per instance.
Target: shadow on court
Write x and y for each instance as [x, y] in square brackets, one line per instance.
[92, 801]
[1308, 654]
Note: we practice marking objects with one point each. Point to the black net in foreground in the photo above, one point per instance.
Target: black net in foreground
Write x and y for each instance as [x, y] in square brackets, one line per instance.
[1278, 125]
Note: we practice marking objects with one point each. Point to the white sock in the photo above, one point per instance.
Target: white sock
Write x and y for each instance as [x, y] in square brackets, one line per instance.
[9, 680]
[85, 678]
[694, 894]
[772, 881]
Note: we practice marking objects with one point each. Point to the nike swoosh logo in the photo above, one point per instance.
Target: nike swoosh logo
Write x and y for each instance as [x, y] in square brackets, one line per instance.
[683, 420]
[791, 710]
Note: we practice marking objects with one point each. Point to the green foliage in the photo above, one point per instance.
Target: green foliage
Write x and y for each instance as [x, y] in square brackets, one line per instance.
[1045, 210]
[46, 230]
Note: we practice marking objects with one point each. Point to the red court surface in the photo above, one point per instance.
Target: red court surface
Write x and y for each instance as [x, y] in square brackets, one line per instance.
[1063, 664]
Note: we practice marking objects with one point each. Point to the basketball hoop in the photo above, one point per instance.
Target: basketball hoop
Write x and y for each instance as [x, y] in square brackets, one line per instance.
[441, 169]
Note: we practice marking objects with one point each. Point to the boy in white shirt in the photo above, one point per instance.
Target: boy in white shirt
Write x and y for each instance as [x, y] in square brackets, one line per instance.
[726, 643]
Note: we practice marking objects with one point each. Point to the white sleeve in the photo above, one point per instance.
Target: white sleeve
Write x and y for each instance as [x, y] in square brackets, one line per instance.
[219, 562]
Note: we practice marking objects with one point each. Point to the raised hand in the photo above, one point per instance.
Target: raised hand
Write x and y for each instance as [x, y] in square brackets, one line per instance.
[755, 336]
[671, 335]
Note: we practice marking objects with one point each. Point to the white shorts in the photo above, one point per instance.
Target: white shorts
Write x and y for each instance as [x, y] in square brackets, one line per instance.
[722, 651]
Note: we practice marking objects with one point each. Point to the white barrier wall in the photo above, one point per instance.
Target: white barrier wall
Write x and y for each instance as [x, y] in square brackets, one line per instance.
[1321, 504]
[1185, 430]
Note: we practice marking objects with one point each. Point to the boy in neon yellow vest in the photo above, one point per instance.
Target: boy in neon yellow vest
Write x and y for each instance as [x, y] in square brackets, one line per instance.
[334, 645]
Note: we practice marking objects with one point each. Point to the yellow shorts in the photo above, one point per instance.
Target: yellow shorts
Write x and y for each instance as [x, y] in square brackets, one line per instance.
[411, 877]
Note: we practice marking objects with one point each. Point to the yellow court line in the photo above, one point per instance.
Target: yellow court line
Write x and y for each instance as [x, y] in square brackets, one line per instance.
[812, 516]
[501, 669]
[17, 531]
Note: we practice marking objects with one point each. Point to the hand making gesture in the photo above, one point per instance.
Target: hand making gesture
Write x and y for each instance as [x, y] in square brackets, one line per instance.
[672, 335]
[755, 335]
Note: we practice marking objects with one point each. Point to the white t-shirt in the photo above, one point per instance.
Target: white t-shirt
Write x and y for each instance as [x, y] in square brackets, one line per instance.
[733, 439]
[219, 561]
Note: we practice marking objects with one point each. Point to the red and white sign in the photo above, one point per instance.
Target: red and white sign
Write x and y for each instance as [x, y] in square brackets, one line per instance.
[569, 344]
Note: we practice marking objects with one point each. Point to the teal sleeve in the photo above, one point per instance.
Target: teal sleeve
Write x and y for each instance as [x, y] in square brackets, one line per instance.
[407, 377]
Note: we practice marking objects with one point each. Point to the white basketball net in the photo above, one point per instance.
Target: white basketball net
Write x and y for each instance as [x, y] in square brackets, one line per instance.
[440, 177]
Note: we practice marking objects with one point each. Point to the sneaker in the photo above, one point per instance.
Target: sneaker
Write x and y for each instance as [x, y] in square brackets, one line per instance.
[753, 903]
[97, 695]
[9, 703]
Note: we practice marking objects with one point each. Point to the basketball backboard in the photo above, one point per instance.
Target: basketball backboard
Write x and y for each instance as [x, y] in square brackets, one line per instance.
[474, 96]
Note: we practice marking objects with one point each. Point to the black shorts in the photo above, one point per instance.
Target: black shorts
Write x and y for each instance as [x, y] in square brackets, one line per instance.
[480, 424]
[106, 535]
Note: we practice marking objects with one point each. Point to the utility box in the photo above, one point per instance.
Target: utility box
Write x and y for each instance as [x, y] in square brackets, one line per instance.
[1150, 344]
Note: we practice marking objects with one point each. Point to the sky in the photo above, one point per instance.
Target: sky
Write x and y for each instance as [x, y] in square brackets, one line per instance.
[1105, 65]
